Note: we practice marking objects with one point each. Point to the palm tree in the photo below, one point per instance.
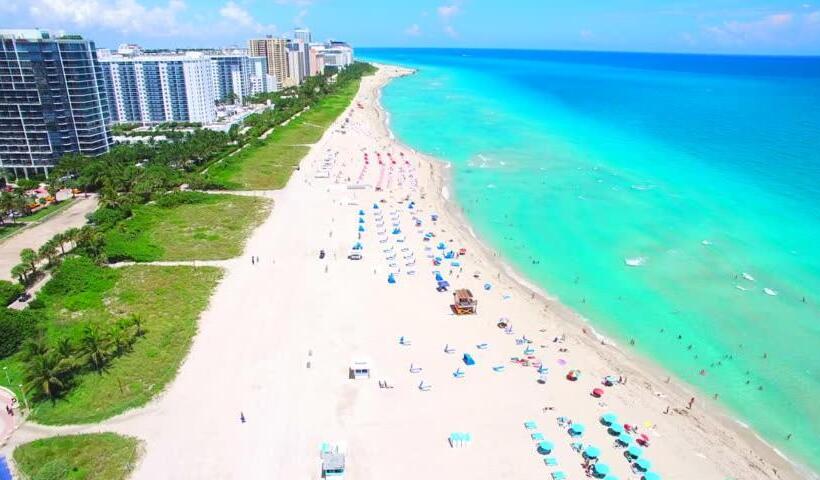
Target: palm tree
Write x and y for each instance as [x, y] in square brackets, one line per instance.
[30, 258]
[34, 347]
[71, 235]
[48, 250]
[96, 347]
[60, 239]
[136, 321]
[65, 348]
[45, 374]
[21, 272]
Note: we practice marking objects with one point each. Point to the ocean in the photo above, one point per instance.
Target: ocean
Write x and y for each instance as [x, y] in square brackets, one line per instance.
[672, 200]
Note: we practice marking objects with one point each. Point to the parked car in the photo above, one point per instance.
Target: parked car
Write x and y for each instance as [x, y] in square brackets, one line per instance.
[321, 254]
[355, 256]
[25, 297]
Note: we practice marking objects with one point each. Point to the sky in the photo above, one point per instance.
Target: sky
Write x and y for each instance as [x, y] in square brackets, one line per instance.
[709, 26]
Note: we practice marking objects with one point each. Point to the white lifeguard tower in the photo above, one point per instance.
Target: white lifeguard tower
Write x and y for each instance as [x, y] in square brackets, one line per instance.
[360, 368]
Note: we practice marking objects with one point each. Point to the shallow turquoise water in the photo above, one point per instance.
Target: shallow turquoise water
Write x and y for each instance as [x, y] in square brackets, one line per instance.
[699, 168]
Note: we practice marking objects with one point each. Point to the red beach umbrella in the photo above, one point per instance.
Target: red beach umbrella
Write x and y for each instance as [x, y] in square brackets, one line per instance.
[597, 392]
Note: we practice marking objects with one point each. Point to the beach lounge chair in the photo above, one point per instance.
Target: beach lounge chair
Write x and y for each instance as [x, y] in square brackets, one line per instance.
[458, 373]
[423, 387]
[551, 461]
[404, 341]
[559, 475]
[414, 369]
[576, 446]
[530, 425]
[498, 368]
[482, 346]
[537, 436]
[449, 349]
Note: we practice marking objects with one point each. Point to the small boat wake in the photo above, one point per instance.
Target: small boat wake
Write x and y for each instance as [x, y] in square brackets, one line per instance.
[747, 277]
[769, 291]
[635, 261]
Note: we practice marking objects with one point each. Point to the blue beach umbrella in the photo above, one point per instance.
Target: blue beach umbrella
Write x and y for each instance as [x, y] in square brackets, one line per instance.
[361, 220]
[634, 451]
[441, 246]
[391, 279]
[439, 277]
[608, 418]
[577, 430]
[361, 228]
[651, 476]
[361, 212]
[592, 452]
[396, 231]
[643, 464]
[601, 469]
[616, 429]
[624, 439]
[375, 206]
[357, 246]
[545, 447]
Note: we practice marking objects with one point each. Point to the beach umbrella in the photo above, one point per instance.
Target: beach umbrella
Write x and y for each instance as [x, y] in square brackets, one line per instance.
[616, 429]
[608, 418]
[592, 452]
[361, 220]
[357, 246]
[634, 451]
[643, 464]
[391, 279]
[597, 392]
[651, 476]
[610, 477]
[375, 206]
[601, 469]
[545, 447]
[624, 439]
[577, 429]
[361, 212]
[439, 277]
[361, 228]
[441, 246]
[396, 231]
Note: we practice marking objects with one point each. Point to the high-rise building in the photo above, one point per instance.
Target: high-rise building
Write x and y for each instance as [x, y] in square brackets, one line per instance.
[302, 34]
[52, 100]
[317, 59]
[275, 50]
[337, 54]
[160, 88]
[296, 64]
[239, 76]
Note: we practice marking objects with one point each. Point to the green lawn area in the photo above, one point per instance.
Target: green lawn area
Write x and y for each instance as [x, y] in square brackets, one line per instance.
[47, 211]
[270, 165]
[97, 456]
[169, 301]
[7, 229]
[210, 227]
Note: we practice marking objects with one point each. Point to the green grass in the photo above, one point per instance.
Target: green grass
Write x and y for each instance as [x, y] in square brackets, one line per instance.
[214, 227]
[97, 456]
[270, 165]
[47, 211]
[169, 301]
[8, 229]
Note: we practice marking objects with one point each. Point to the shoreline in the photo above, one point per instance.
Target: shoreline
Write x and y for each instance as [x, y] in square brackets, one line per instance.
[633, 364]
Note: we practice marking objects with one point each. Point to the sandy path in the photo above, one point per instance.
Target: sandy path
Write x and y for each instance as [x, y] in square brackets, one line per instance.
[277, 339]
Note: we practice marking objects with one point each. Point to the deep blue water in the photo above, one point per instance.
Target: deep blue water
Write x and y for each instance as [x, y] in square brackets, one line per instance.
[703, 172]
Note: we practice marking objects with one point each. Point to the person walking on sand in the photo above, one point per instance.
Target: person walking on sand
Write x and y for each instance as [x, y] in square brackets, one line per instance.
[242, 417]
[691, 401]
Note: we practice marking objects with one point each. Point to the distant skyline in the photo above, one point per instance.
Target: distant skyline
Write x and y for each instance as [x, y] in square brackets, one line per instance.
[713, 26]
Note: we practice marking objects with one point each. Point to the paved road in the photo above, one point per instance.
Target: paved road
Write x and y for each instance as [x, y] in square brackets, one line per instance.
[35, 236]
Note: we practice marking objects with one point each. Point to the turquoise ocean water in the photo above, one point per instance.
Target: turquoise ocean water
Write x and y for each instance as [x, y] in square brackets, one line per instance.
[673, 200]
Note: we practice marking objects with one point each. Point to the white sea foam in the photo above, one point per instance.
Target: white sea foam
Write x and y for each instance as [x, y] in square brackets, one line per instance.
[740, 287]
[635, 261]
[642, 187]
[748, 277]
[445, 193]
[706, 242]
[491, 185]
[769, 291]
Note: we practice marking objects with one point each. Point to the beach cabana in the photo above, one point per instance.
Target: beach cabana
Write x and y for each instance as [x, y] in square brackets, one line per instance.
[464, 303]
[361, 220]
[361, 228]
[545, 447]
[361, 212]
[616, 429]
[634, 451]
[600, 470]
[576, 430]
[642, 464]
[360, 368]
[592, 452]
[608, 418]
[358, 246]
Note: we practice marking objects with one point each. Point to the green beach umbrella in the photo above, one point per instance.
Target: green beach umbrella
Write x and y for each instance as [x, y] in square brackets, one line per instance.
[643, 464]
[592, 452]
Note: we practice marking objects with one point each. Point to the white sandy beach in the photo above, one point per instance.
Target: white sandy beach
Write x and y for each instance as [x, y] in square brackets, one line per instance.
[278, 337]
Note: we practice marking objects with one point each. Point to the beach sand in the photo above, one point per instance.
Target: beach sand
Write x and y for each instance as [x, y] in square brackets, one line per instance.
[278, 337]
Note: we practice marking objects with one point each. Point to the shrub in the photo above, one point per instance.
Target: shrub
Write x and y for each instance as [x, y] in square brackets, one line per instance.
[79, 282]
[15, 327]
[105, 218]
[9, 292]
[169, 200]
[57, 469]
